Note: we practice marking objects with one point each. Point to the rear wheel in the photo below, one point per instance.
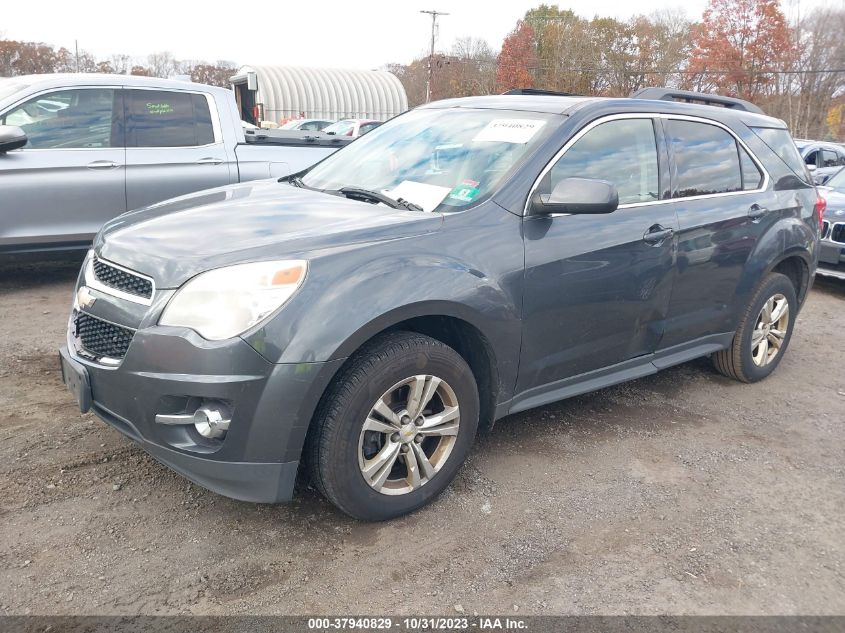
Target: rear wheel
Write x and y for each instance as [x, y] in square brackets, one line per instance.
[763, 334]
[394, 427]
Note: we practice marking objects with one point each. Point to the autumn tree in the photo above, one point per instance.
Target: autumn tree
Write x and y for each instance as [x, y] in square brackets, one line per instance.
[217, 74]
[517, 59]
[737, 45]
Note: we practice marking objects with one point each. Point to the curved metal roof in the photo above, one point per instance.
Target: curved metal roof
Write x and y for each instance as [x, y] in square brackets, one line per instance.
[329, 93]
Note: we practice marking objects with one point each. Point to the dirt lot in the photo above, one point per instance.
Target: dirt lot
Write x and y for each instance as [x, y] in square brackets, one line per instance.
[680, 493]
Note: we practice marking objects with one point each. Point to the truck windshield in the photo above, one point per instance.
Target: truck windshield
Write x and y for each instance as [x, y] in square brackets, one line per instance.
[8, 87]
[437, 159]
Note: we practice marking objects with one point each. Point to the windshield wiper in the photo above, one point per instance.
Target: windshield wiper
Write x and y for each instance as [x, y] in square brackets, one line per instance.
[376, 196]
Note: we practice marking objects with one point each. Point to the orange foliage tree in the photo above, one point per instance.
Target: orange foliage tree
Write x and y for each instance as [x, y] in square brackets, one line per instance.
[517, 59]
[736, 43]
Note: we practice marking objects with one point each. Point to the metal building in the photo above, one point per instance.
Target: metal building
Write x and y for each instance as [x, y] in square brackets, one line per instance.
[274, 93]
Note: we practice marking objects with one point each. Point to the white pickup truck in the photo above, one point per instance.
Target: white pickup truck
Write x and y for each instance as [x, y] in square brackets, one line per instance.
[95, 146]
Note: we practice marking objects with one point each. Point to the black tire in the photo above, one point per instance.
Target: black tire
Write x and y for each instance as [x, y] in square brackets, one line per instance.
[737, 361]
[332, 448]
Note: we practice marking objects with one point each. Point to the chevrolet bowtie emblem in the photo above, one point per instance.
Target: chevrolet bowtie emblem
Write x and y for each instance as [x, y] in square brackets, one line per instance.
[84, 297]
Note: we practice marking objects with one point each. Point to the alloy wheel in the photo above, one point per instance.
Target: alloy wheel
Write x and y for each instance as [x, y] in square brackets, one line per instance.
[409, 434]
[770, 330]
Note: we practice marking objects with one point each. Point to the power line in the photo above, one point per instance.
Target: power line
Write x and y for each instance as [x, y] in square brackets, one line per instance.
[433, 13]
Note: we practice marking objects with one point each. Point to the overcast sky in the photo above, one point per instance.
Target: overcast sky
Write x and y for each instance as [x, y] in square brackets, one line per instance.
[327, 33]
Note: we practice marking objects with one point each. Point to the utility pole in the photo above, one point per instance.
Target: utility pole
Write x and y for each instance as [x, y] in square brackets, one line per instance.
[433, 14]
[76, 49]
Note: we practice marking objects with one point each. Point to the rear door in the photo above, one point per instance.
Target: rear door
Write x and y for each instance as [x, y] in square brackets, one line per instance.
[723, 208]
[174, 145]
[597, 286]
[69, 178]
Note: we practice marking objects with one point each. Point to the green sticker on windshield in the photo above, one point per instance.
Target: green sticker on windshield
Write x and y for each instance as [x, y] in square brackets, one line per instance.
[465, 191]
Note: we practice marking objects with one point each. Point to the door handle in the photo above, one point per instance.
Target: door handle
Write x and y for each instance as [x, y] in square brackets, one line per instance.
[102, 164]
[756, 212]
[657, 234]
[209, 160]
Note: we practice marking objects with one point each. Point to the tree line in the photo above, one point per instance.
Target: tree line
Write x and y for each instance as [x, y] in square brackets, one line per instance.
[744, 48]
[32, 58]
[794, 70]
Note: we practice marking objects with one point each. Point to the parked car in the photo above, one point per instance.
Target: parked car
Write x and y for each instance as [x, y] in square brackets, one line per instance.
[470, 259]
[832, 248]
[823, 159]
[99, 145]
[351, 127]
[312, 125]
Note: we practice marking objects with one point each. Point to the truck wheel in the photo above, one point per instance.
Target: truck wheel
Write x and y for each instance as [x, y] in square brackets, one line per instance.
[763, 334]
[394, 427]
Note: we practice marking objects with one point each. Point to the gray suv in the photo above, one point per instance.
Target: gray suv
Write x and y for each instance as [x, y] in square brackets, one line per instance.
[472, 258]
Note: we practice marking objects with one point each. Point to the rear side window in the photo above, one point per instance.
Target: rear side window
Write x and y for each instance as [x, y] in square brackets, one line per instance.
[781, 143]
[706, 157]
[831, 158]
[623, 152]
[752, 177]
[162, 118]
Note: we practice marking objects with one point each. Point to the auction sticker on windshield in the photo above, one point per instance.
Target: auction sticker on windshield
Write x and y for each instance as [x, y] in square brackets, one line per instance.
[465, 191]
[509, 131]
[421, 193]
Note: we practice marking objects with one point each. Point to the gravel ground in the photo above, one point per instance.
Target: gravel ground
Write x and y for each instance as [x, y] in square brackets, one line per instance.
[680, 493]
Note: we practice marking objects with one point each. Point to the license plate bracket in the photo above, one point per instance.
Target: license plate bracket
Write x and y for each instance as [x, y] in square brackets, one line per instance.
[75, 377]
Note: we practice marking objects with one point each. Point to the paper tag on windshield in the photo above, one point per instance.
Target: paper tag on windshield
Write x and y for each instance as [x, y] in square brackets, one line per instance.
[509, 130]
[427, 196]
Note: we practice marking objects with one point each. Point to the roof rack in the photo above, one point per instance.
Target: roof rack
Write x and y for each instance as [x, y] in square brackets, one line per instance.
[540, 92]
[670, 94]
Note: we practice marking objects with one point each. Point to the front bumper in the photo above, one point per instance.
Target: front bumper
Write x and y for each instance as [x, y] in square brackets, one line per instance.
[168, 370]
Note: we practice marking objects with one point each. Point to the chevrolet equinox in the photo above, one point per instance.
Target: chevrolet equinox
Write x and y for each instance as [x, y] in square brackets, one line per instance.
[472, 258]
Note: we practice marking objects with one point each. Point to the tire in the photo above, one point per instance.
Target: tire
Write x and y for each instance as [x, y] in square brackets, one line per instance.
[742, 360]
[352, 466]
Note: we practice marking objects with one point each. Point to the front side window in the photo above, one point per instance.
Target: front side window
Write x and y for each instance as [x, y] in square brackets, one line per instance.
[812, 158]
[706, 158]
[67, 119]
[623, 152]
[164, 118]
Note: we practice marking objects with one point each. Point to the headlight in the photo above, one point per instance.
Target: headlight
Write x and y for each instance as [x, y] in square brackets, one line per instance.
[225, 302]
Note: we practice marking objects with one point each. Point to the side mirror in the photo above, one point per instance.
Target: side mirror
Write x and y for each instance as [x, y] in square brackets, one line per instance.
[11, 137]
[577, 195]
[812, 167]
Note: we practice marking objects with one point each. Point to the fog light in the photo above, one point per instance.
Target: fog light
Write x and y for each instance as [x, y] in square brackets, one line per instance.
[210, 421]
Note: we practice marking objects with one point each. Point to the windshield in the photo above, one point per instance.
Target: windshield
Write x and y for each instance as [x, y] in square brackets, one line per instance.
[341, 128]
[837, 182]
[442, 160]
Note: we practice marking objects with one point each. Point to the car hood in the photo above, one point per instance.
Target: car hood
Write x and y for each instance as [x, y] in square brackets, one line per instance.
[174, 240]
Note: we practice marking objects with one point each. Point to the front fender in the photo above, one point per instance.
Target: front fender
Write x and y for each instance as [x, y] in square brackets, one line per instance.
[470, 271]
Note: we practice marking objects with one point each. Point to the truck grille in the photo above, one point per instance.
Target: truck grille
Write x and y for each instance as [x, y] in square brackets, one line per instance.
[122, 280]
[837, 233]
[825, 227]
[102, 338]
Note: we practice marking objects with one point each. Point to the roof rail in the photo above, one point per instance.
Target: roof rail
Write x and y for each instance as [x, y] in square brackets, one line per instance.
[670, 94]
[539, 92]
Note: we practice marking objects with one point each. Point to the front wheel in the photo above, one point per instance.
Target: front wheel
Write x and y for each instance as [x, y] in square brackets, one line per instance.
[394, 428]
[763, 334]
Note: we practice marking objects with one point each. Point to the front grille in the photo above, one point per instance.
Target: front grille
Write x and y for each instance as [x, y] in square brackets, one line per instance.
[122, 280]
[837, 233]
[825, 227]
[102, 338]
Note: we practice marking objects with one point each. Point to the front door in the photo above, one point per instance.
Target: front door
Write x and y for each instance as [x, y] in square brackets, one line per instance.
[173, 146]
[597, 286]
[69, 179]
